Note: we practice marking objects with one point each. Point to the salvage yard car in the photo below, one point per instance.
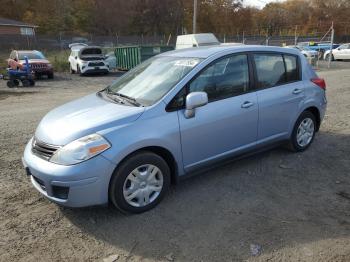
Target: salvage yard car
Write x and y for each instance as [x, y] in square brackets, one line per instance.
[340, 53]
[85, 60]
[39, 64]
[174, 115]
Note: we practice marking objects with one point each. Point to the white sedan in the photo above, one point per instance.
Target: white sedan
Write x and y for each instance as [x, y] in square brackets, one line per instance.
[342, 52]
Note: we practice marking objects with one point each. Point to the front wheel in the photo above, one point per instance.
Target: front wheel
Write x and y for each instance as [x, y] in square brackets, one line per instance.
[303, 132]
[140, 183]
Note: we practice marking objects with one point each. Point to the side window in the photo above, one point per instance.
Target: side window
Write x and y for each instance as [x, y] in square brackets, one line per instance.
[270, 70]
[292, 73]
[225, 78]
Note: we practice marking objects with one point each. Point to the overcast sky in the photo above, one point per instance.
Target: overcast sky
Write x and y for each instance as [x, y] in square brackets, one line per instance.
[258, 3]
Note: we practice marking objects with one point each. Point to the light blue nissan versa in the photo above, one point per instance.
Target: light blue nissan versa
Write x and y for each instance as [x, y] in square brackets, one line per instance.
[174, 114]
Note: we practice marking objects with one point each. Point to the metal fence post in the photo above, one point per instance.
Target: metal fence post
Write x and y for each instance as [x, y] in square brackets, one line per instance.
[331, 50]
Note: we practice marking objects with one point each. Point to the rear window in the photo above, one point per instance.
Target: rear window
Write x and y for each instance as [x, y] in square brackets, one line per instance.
[276, 69]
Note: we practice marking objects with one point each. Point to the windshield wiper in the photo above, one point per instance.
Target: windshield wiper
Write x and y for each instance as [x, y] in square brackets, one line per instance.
[129, 99]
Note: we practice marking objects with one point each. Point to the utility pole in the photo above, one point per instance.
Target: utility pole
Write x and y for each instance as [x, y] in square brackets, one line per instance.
[195, 6]
[331, 50]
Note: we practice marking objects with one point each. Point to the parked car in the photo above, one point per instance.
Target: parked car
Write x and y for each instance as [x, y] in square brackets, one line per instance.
[111, 60]
[85, 60]
[37, 61]
[340, 53]
[321, 47]
[307, 52]
[171, 116]
[195, 40]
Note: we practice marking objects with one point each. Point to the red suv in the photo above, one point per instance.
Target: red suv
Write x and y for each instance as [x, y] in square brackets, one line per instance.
[38, 62]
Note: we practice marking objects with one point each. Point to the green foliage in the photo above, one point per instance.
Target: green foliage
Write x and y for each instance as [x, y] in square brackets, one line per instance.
[59, 60]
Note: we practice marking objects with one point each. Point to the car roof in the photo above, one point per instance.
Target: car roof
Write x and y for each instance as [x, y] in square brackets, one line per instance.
[206, 51]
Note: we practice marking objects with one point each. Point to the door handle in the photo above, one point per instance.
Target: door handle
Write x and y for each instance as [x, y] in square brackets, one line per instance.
[247, 104]
[297, 91]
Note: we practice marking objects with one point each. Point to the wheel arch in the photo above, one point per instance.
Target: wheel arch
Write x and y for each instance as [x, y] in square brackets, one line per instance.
[314, 110]
[163, 153]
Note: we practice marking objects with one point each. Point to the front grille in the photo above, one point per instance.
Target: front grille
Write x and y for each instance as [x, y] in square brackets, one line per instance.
[96, 64]
[38, 66]
[43, 150]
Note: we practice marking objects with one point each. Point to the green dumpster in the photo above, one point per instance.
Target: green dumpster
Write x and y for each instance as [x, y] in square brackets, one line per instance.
[130, 56]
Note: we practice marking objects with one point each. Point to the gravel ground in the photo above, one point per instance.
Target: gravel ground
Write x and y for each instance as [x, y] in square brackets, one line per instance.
[275, 206]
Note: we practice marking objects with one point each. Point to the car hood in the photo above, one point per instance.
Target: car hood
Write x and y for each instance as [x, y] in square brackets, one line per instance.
[39, 61]
[82, 117]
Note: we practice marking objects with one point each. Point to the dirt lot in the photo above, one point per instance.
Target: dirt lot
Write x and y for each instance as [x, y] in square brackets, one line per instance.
[286, 206]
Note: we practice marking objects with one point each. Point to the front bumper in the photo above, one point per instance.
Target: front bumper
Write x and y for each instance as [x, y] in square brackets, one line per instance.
[84, 184]
[94, 70]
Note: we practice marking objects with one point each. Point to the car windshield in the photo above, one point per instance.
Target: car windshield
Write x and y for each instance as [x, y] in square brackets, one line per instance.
[151, 80]
[30, 55]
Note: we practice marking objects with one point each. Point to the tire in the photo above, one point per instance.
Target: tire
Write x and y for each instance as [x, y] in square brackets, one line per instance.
[72, 71]
[139, 187]
[15, 82]
[50, 75]
[26, 83]
[327, 57]
[297, 144]
[10, 84]
[78, 71]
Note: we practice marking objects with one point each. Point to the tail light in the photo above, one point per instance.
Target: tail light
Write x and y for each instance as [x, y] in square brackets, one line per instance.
[320, 82]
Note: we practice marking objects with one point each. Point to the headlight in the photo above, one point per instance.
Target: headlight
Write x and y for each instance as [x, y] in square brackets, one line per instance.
[80, 150]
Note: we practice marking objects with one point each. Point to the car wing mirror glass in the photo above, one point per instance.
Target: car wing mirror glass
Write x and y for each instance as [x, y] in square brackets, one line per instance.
[194, 100]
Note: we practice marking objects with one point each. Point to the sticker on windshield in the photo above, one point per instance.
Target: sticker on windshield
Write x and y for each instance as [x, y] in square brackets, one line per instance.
[189, 63]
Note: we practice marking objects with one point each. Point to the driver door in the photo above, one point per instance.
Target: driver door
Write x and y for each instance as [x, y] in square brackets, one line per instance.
[227, 125]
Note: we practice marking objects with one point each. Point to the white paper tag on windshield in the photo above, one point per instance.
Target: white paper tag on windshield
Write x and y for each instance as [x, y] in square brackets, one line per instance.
[190, 63]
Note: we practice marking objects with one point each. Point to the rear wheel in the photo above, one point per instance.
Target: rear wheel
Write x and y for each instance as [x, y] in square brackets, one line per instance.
[303, 132]
[327, 57]
[140, 183]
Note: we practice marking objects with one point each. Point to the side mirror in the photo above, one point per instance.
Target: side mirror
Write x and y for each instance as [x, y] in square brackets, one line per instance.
[76, 57]
[194, 100]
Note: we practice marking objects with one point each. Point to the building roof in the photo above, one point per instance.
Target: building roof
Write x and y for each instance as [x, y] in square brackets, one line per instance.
[9, 22]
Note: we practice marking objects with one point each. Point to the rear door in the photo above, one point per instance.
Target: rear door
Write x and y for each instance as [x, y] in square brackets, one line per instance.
[280, 93]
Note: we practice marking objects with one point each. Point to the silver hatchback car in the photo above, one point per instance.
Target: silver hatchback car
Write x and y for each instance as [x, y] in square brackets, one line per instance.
[173, 115]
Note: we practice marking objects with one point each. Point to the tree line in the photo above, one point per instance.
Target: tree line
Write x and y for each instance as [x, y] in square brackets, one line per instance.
[159, 17]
